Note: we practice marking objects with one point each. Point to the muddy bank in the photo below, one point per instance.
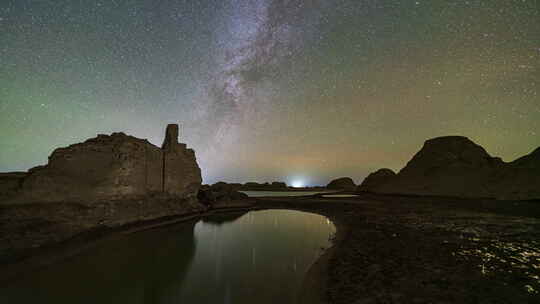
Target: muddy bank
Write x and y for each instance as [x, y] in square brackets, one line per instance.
[425, 250]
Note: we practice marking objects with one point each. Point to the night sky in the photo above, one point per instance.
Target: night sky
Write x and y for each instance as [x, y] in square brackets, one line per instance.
[269, 90]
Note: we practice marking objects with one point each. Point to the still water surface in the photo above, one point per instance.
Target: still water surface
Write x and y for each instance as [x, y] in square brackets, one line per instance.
[280, 193]
[257, 257]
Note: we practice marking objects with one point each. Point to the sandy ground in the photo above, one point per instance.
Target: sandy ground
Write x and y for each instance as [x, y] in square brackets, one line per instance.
[424, 250]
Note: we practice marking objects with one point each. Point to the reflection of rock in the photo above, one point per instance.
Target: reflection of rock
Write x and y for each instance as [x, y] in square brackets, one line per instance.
[109, 180]
[376, 179]
[343, 183]
[134, 268]
[220, 219]
[456, 166]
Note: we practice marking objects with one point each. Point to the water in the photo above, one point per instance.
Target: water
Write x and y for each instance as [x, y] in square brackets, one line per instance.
[280, 193]
[257, 257]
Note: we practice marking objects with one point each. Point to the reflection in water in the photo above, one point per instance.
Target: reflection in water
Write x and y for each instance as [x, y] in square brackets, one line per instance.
[139, 268]
[260, 257]
[509, 257]
[222, 218]
[280, 193]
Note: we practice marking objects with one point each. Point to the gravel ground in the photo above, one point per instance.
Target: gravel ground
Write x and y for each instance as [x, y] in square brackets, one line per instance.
[428, 250]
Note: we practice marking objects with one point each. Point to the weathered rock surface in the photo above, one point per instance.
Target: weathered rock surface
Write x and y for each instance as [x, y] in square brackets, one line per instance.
[343, 183]
[113, 167]
[107, 181]
[376, 179]
[10, 183]
[456, 166]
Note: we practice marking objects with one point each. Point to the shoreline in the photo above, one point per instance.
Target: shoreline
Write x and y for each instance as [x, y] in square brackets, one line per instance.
[392, 249]
[314, 285]
[386, 248]
[36, 258]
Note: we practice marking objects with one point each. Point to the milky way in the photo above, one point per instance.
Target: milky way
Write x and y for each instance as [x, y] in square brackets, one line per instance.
[271, 90]
[258, 36]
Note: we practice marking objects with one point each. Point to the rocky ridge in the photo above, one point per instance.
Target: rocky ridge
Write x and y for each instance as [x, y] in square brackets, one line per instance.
[456, 166]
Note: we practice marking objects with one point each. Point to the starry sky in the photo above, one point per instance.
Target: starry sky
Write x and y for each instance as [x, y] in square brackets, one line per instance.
[292, 90]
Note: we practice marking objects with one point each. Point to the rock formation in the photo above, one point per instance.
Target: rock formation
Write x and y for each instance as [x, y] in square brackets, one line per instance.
[376, 179]
[343, 183]
[456, 166]
[112, 167]
[10, 183]
[107, 181]
[274, 186]
[279, 185]
[222, 194]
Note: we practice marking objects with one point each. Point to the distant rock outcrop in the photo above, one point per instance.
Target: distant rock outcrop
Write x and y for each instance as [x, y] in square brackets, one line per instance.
[274, 186]
[279, 185]
[343, 183]
[456, 166]
[106, 181]
[222, 194]
[377, 179]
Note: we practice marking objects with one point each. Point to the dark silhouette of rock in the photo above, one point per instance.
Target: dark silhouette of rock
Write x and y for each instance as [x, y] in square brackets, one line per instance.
[519, 179]
[456, 166]
[221, 194]
[114, 167]
[106, 181]
[221, 189]
[181, 173]
[279, 185]
[528, 161]
[343, 183]
[10, 183]
[251, 185]
[274, 186]
[376, 179]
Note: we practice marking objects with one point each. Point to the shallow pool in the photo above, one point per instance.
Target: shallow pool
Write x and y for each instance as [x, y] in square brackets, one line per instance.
[256, 257]
[280, 193]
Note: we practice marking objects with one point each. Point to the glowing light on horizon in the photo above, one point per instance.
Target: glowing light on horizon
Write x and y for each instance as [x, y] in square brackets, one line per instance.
[298, 183]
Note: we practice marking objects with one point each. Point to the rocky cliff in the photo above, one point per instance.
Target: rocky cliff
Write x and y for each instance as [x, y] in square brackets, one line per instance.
[106, 181]
[456, 166]
[114, 166]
